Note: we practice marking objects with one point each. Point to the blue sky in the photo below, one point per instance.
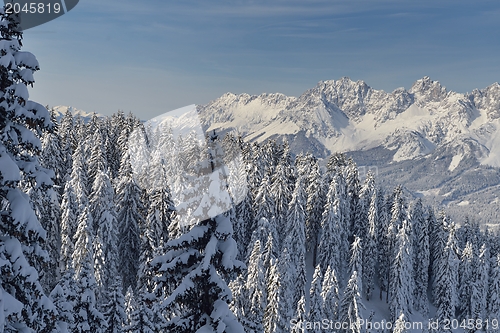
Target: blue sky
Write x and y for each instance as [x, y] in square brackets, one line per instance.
[153, 56]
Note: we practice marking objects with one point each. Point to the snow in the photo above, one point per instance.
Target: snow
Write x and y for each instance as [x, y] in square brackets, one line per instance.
[463, 203]
[455, 161]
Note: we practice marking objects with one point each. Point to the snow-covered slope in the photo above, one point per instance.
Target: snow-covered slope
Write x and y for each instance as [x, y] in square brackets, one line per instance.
[344, 115]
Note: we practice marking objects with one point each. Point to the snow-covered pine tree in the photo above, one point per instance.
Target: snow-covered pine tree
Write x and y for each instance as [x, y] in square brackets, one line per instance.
[106, 232]
[264, 202]
[421, 258]
[466, 280]
[494, 291]
[25, 307]
[316, 194]
[129, 218]
[45, 201]
[356, 262]
[196, 263]
[300, 317]
[401, 285]
[333, 235]
[87, 317]
[272, 314]
[316, 306]
[114, 308]
[482, 280]
[63, 296]
[445, 280]
[69, 218]
[296, 218]
[66, 132]
[141, 316]
[281, 193]
[384, 245]
[52, 157]
[371, 247]
[256, 286]
[356, 223]
[330, 293]
[287, 280]
[350, 305]
[98, 161]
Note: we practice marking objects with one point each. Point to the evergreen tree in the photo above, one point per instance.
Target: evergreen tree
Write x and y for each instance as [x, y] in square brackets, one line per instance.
[330, 293]
[87, 317]
[256, 286]
[316, 299]
[421, 258]
[106, 231]
[24, 306]
[401, 281]
[287, 306]
[314, 207]
[300, 318]
[141, 316]
[197, 263]
[129, 218]
[445, 280]
[466, 282]
[349, 309]
[356, 262]
[272, 318]
[371, 247]
[64, 296]
[114, 309]
[482, 280]
[69, 216]
[494, 290]
[333, 237]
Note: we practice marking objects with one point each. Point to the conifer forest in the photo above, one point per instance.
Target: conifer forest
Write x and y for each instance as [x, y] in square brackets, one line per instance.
[90, 243]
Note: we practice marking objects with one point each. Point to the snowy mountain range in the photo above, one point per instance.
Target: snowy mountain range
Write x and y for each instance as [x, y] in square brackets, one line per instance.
[60, 110]
[441, 145]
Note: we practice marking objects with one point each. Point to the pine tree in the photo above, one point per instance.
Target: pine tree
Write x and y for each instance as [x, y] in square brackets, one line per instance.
[300, 317]
[482, 279]
[494, 291]
[316, 307]
[349, 309]
[106, 231]
[371, 248]
[25, 307]
[421, 258]
[129, 218]
[256, 286]
[64, 296]
[69, 216]
[114, 309]
[330, 293]
[445, 280]
[197, 263]
[272, 314]
[87, 317]
[401, 279]
[466, 282]
[141, 316]
[356, 262]
[333, 237]
[314, 207]
[287, 306]
[384, 245]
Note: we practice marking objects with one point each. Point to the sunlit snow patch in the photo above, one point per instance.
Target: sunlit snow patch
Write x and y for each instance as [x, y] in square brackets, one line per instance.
[173, 152]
